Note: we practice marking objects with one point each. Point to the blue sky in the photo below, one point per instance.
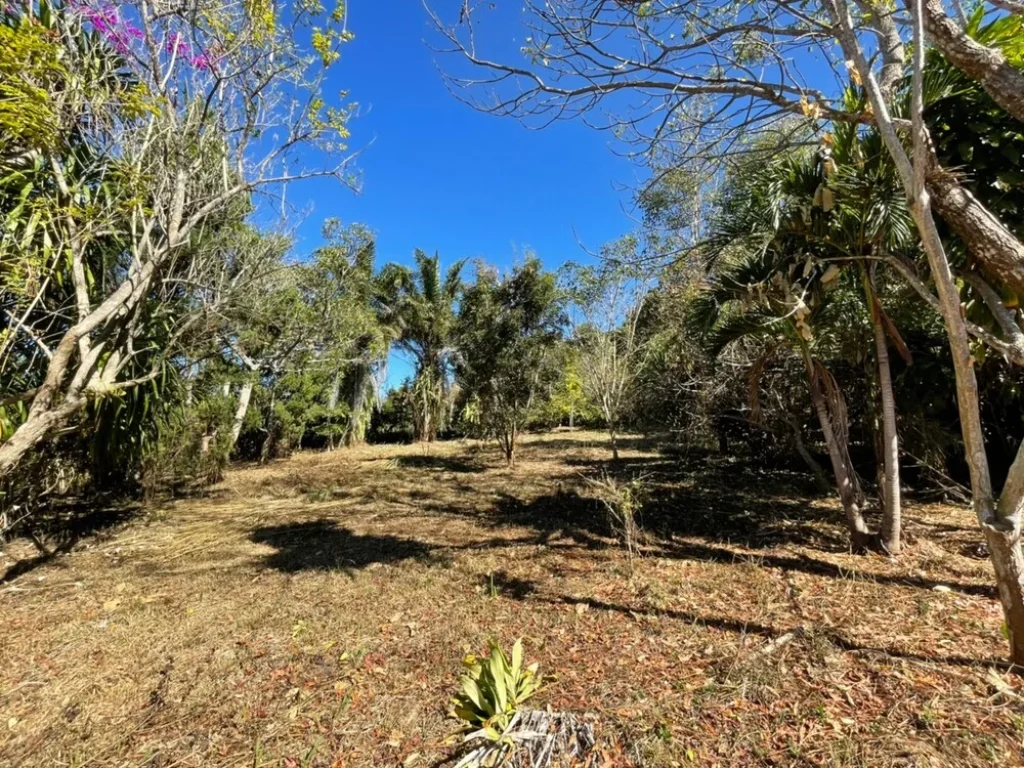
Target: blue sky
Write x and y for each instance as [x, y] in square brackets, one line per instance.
[438, 175]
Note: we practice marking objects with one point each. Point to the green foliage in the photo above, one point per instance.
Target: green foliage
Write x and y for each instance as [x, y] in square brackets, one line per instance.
[509, 332]
[494, 688]
[394, 421]
[419, 306]
[190, 448]
[972, 134]
[567, 403]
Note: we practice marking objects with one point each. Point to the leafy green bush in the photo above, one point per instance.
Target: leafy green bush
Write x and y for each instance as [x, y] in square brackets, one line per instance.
[493, 689]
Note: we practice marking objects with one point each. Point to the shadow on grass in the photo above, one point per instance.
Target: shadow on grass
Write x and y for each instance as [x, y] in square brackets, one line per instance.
[719, 514]
[602, 441]
[769, 632]
[756, 525]
[501, 583]
[321, 545]
[443, 463]
[562, 514]
[57, 531]
[813, 566]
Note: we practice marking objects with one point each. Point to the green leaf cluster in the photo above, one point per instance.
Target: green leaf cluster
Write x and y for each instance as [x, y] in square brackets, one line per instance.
[494, 688]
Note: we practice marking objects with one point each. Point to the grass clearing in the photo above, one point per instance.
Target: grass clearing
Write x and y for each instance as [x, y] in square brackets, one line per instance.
[314, 612]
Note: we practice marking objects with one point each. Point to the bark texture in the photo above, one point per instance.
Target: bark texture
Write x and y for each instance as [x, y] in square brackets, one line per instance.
[891, 533]
[850, 495]
[992, 246]
[244, 396]
[988, 66]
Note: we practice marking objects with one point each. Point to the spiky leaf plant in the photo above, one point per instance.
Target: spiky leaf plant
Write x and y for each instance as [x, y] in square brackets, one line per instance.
[493, 689]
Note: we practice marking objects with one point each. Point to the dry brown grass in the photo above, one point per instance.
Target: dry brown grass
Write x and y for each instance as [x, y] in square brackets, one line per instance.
[314, 612]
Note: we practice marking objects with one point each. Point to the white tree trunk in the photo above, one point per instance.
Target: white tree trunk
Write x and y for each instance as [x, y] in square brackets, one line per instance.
[244, 396]
[1002, 524]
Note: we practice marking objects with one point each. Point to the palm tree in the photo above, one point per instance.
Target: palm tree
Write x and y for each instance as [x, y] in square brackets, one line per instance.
[795, 228]
[420, 305]
[870, 222]
[751, 299]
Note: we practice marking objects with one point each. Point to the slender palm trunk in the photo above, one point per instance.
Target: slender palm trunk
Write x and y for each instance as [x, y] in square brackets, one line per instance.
[891, 536]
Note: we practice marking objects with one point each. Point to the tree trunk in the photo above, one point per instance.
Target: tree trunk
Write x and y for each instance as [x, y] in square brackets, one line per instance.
[332, 403]
[1002, 523]
[1004, 545]
[846, 483]
[891, 533]
[992, 246]
[801, 448]
[355, 433]
[508, 446]
[1008, 562]
[892, 512]
[244, 396]
[988, 66]
[615, 443]
[33, 431]
[61, 393]
[332, 397]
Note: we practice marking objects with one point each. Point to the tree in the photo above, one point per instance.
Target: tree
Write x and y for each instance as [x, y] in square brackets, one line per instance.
[812, 216]
[509, 330]
[761, 297]
[567, 403]
[702, 76]
[355, 337]
[167, 120]
[312, 324]
[420, 308]
[609, 300]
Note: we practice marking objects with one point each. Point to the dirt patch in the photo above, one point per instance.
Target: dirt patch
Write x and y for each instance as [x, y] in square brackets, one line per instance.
[314, 612]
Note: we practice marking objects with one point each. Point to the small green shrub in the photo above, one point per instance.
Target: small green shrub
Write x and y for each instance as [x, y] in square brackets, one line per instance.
[493, 689]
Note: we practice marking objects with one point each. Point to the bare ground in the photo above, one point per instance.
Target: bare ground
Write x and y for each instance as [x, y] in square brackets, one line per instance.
[314, 612]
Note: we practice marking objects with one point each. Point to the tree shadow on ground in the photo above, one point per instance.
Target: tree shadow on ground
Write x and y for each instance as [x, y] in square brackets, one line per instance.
[723, 512]
[58, 530]
[769, 632]
[583, 519]
[564, 514]
[545, 445]
[724, 500]
[443, 463]
[501, 583]
[813, 566]
[321, 545]
[673, 510]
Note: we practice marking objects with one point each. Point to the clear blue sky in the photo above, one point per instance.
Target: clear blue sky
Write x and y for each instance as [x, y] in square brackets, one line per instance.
[438, 175]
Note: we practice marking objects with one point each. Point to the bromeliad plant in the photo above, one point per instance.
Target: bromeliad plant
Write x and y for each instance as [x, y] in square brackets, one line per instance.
[493, 689]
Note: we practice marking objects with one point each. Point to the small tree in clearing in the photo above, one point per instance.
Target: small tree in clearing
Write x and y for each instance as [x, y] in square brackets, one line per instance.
[509, 330]
[608, 301]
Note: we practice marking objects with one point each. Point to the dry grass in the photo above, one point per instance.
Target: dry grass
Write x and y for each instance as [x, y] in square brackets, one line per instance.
[314, 612]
